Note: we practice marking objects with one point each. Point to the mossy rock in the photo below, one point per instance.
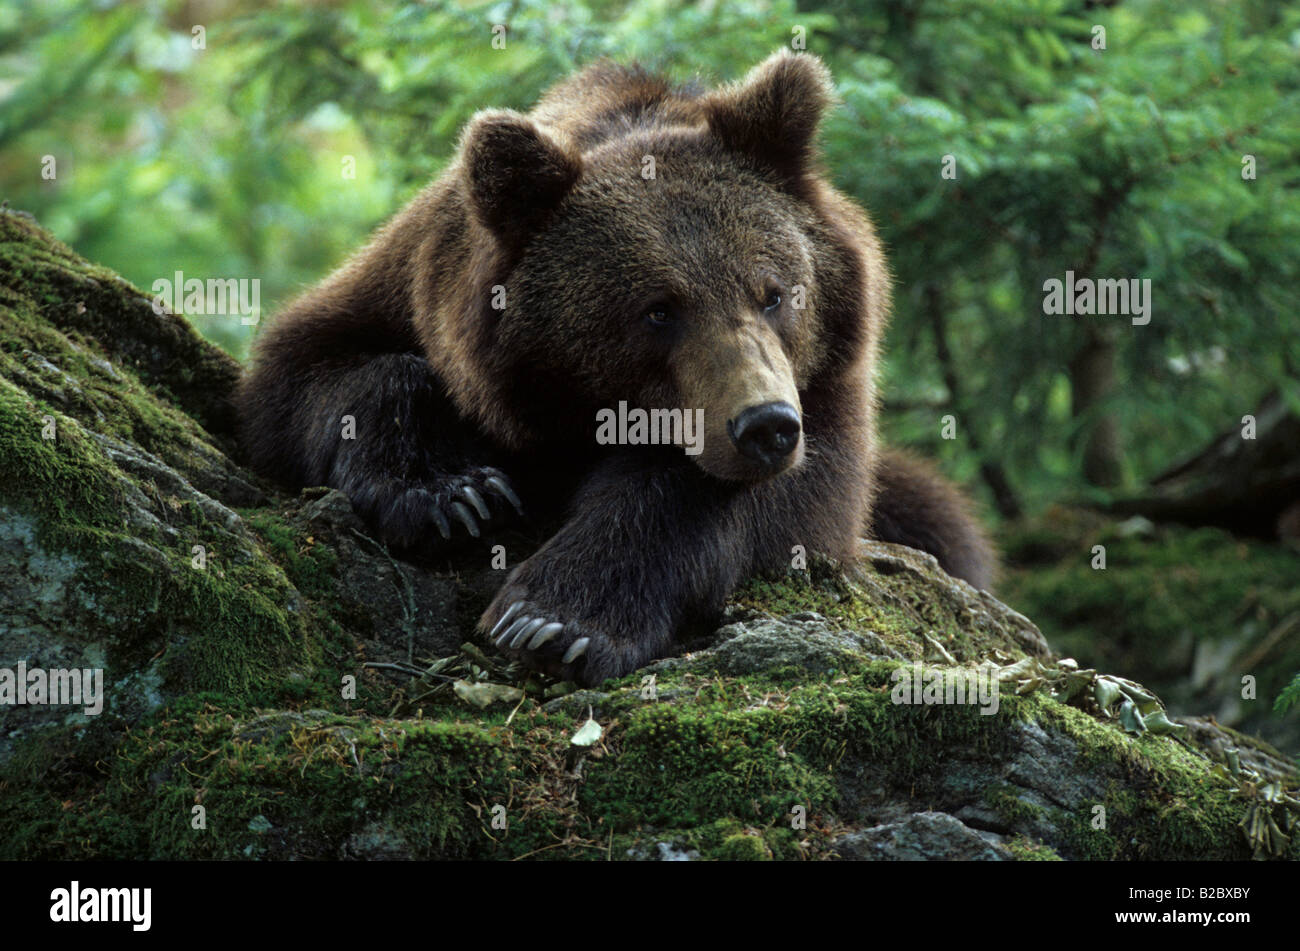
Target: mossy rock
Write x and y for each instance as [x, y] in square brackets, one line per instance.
[1189, 612]
[284, 690]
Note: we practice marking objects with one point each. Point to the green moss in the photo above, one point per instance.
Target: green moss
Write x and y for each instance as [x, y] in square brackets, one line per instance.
[726, 774]
[56, 304]
[229, 626]
[743, 847]
[322, 778]
[748, 773]
[71, 371]
[754, 748]
[1162, 597]
[1182, 812]
[900, 614]
[242, 635]
[1026, 849]
[1010, 807]
[722, 775]
[66, 479]
[310, 566]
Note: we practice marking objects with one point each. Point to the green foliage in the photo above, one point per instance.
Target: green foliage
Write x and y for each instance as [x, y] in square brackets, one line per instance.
[1123, 162]
[1289, 697]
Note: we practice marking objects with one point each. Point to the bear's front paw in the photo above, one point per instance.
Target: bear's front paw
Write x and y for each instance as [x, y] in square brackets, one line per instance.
[452, 507]
[552, 640]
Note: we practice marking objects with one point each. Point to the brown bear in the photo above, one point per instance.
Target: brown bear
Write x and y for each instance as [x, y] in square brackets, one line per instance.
[626, 249]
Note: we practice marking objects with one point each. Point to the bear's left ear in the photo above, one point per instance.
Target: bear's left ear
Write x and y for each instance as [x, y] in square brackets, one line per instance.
[516, 172]
[773, 113]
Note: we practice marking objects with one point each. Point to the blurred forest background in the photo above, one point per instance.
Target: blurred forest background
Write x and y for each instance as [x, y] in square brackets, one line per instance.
[1150, 139]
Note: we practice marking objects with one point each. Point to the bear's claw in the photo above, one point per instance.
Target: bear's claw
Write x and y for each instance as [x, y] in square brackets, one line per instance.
[522, 629]
[576, 650]
[502, 488]
[505, 619]
[464, 516]
[444, 502]
[526, 632]
[546, 633]
[473, 498]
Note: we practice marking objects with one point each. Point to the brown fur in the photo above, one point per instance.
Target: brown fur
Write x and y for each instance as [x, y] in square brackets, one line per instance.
[452, 396]
[917, 507]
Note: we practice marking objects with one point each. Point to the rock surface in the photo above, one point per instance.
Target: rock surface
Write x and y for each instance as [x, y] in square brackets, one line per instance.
[922, 836]
[278, 686]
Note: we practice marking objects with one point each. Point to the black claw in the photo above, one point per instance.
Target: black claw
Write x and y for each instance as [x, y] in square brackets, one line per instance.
[505, 619]
[512, 630]
[441, 521]
[527, 632]
[465, 517]
[502, 488]
[545, 634]
[476, 500]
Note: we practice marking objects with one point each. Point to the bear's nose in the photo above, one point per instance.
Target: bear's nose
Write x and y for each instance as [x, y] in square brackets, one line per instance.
[766, 433]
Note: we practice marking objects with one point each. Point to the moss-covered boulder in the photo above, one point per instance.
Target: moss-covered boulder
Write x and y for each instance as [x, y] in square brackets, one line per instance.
[278, 686]
[1195, 613]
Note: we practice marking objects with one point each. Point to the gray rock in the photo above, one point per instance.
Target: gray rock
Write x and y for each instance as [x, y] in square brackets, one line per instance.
[922, 836]
[982, 614]
[806, 640]
[376, 842]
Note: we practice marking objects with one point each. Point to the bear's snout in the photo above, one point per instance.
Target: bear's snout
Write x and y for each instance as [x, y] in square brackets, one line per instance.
[766, 433]
[741, 377]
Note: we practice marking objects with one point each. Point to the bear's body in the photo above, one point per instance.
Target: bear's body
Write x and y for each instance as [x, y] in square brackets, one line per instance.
[623, 242]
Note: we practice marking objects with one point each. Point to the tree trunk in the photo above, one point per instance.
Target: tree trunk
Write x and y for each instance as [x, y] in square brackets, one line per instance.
[994, 475]
[1092, 380]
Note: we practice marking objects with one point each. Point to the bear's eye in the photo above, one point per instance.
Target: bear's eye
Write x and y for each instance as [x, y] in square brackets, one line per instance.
[659, 315]
[772, 301]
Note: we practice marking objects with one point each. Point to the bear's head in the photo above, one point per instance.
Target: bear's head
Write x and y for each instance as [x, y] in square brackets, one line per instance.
[679, 257]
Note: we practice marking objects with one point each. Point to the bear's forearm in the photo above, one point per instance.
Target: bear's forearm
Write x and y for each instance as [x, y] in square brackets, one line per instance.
[702, 536]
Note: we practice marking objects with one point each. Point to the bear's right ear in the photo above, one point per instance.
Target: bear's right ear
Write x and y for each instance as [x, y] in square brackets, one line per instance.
[516, 172]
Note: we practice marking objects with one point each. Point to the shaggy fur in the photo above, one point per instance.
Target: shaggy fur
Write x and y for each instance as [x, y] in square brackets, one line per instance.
[544, 277]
